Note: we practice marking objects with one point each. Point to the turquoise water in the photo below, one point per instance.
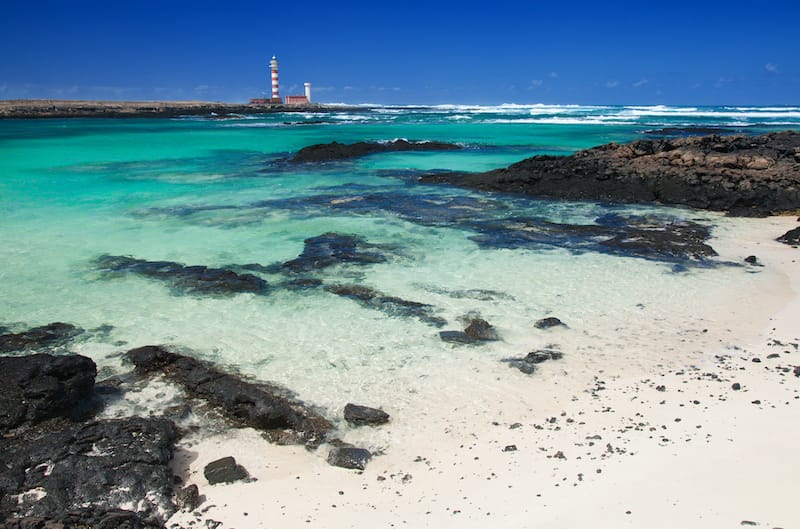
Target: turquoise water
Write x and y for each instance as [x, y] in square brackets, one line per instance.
[218, 192]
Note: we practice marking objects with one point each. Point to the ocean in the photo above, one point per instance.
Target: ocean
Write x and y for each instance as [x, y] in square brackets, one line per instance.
[220, 193]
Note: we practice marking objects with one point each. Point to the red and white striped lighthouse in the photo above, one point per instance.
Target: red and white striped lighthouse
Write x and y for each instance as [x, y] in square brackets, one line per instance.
[273, 66]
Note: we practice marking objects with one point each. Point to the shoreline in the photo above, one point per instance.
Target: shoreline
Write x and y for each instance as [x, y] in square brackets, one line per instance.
[659, 440]
[58, 109]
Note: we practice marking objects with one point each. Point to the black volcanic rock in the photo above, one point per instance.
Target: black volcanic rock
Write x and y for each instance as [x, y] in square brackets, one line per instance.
[45, 337]
[42, 386]
[364, 415]
[743, 175]
[527, 364]
[327, 152]
[791, 237]
[199, 280]
[331, 249]
[88, 475]
[224, 470]
[477, 331]
[391, 305]
[546, 323]
[262, 406]
[347, 456]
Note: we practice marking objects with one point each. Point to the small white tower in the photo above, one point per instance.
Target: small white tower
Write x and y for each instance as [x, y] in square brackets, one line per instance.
[308, 92]
[273, 66]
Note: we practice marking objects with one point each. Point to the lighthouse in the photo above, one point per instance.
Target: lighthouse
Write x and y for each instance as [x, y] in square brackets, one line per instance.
[273, 67]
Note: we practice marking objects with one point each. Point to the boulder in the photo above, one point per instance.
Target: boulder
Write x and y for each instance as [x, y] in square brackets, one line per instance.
[246, 403]
[348, 456]
[45, 337]
[41, 386]
[528, 363]
[224, 470]
[547, 323]
[478, 331]
[361, 415]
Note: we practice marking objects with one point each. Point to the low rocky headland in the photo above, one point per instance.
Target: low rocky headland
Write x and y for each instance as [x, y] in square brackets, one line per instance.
[57, 108]
[741, 175]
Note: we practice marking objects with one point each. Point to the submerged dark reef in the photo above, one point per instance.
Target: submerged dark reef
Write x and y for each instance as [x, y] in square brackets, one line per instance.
[489, 221]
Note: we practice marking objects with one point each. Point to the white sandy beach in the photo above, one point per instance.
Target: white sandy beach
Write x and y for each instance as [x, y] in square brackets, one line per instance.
[649, 432]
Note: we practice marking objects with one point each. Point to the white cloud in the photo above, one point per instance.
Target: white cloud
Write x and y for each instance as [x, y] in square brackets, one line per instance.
[640, 83]
[552, 75]
[536, 83]
[612, 84]
[771, 68]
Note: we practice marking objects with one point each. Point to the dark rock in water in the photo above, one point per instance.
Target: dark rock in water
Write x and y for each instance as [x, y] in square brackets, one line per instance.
[258, 405]
[199, 280]
[224, 470]
[528, 363]
[480, 330]
[47, 336]
[331, 249]
[736, 386]
[361, 415]
[302, 283]
[796, 371]
[455, 337]
[546, 323]
[188, 498]
[340, 151]
[689, 131]
[791, 237]
[751, 259]
[90, 472]
[658, 239]
[743, 175]
[349, 457]
[391, 305]
[41, 386]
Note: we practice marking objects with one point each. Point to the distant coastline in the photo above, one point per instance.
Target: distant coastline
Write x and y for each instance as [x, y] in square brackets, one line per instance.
[59, 108]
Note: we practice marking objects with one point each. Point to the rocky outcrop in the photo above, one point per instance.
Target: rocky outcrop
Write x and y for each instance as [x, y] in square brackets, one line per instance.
[742, 175]
[199, 280]
[47, 336]
[333, 151]
[42, 386]
[61, 469]
[357, 415]
[94, 473]
[258, 405]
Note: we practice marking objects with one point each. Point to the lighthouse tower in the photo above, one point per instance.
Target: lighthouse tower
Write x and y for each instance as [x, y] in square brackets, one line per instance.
[273, 67]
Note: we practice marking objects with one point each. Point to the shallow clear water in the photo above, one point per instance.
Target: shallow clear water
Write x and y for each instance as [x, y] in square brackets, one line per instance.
[218, 193]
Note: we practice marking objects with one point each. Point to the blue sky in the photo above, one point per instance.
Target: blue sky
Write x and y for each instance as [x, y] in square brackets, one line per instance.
[410, 52]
